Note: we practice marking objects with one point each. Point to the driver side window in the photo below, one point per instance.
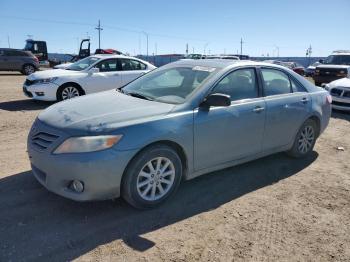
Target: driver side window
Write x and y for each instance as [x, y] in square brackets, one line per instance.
[108, 65]
[239, 84]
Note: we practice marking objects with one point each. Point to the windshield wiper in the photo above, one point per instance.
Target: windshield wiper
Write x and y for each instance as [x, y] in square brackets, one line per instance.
[138, 95]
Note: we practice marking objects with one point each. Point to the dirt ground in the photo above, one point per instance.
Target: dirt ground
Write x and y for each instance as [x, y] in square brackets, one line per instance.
[272, 209]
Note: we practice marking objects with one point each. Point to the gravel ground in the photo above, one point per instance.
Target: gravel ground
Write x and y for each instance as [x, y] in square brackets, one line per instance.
[272, 209]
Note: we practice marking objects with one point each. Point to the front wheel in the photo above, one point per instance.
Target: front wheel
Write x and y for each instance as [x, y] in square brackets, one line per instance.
[152, 177]
[68, 92]
[305, 139]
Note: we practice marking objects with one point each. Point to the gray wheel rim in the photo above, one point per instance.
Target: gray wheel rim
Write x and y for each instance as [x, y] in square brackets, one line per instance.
[69, 92]
[306, 139]
[29, 69]
[155, 179]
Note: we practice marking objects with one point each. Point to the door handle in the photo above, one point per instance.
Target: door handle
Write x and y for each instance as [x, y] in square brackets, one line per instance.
[304, 100]
[258, 109]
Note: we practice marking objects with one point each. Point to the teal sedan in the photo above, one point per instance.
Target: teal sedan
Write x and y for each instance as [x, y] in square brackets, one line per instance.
[175, 123]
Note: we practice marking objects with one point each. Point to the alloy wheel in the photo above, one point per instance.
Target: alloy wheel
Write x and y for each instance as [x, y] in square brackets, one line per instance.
[69, 92]
[28, 69]
[306, 139]
[155, 179]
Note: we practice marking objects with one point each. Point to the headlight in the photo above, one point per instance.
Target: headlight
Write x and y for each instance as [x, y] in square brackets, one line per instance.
[87, 144]
[326, 87]
[45, 81]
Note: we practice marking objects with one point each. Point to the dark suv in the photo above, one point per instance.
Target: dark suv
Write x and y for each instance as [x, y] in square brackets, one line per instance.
[18, 60]
[335, 66]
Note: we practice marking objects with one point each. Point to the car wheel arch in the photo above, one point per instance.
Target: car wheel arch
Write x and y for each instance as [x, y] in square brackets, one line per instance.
[70, 84]
[26, 64]
[177, 147]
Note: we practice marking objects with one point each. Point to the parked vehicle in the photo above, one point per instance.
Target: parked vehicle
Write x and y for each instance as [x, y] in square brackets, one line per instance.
[177, 122]
[39, 49]
[275, 62]
[336, 66]
[310, 70]
[18, 60]
[194, 56]
[340, 91]
[227, 57]
[297, 68]
[89, 75]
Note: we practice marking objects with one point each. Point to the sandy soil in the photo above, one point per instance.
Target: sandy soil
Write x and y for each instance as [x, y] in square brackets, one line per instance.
[272, 209]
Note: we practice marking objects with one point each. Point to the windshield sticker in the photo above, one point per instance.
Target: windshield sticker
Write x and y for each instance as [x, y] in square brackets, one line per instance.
[204, 68]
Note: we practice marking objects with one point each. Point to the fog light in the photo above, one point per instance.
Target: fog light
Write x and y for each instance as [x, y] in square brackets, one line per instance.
[39, 93]
[77, 186]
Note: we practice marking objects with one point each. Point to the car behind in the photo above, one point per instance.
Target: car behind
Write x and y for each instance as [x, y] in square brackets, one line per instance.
[18, 60]
[340, 91]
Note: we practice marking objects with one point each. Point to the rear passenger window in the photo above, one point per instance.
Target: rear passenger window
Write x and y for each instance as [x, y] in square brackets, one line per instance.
[275, 82]
[240, 84]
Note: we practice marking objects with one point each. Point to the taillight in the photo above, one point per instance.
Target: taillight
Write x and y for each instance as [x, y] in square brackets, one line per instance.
[329, 99]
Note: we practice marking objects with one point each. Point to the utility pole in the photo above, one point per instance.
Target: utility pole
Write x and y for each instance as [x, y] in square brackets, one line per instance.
[156, 48]
[8, 40]
[308, 53]
[186, 49]
[99, 28]
[241, 45]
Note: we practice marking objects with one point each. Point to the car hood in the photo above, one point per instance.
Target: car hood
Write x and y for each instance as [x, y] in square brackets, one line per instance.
[102, 112]
[51, 73]
[343, 82]
[333, 66]
[62, 66]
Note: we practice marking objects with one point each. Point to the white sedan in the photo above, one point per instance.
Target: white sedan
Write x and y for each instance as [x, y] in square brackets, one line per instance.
[340, 91]
[90, 75]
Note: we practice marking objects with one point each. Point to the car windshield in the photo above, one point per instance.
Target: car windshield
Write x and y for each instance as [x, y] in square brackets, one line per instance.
[338, 60]
[83, 64]
[171, 85]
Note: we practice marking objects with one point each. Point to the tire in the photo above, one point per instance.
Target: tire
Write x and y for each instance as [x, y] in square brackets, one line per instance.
[305, 139]
[28, 69]
[141, 186]
[68, 91]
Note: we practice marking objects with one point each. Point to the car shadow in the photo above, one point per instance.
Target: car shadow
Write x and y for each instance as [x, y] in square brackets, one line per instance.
[25, 104]
[341, 114]
[38, 225]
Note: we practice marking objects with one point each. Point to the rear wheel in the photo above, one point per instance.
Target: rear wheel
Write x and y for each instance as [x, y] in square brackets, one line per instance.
[68, 92]
[305, 139]
[152, 177]
[28, 69]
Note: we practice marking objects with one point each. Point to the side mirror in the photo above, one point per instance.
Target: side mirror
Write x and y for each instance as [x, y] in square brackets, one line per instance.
[94, 70]
[217, 99]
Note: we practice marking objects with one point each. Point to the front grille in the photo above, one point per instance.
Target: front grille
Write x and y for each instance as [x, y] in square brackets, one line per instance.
[43, 140]
[346, 94]
[336, 103]
[28, 82]
[336, 92]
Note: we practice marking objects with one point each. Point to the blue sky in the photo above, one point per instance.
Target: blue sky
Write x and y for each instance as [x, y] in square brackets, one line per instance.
[217, 26]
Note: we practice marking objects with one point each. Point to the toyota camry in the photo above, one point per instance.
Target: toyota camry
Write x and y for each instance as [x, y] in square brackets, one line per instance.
[175, 123]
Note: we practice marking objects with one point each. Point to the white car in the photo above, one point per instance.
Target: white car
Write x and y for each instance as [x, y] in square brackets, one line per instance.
[63, 66]
[340, 91]
[90, 75]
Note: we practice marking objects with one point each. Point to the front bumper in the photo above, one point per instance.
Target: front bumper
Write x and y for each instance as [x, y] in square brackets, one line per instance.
[100, 172]
[45, 92]
[340, 104]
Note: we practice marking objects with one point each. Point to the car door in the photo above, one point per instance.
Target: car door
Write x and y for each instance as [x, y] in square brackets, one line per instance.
[107, 78]
[287, 106]
[223, 134]
[131, 69]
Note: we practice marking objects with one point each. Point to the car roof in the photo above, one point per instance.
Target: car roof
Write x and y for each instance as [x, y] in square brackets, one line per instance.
[222, 63]
[113, 56]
